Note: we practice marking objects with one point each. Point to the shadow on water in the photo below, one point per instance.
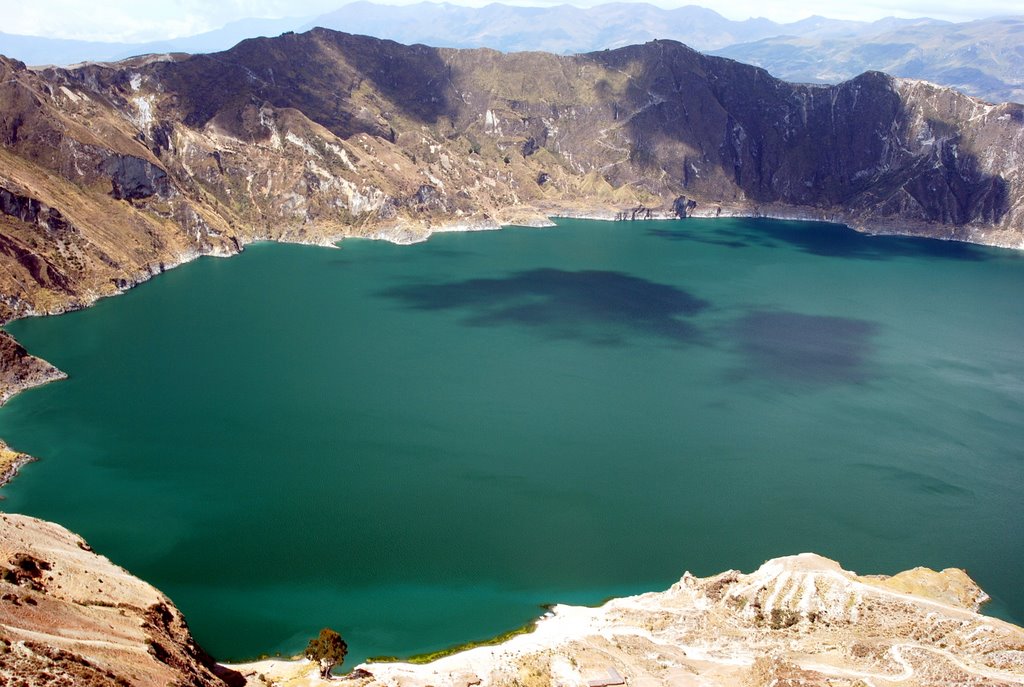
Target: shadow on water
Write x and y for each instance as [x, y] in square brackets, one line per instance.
[805, 349]
[592, 305]
[826, 240]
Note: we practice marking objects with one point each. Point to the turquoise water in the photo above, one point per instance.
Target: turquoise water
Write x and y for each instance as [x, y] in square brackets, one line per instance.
[420, 445]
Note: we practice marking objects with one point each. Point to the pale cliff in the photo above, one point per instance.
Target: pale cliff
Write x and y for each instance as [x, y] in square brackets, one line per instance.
[799, 620]
[70, 616]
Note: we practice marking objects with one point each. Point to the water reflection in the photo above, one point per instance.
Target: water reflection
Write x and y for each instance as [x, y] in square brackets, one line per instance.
[827, 240]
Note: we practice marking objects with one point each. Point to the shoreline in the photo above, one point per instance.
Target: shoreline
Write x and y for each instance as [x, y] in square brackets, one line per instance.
[795, 620]
[409, 233]
[795, 617]
[11, 462]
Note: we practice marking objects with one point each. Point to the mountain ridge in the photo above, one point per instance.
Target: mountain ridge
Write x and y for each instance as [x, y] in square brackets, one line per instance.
[111, 173]
[811, 49]
[980, 58]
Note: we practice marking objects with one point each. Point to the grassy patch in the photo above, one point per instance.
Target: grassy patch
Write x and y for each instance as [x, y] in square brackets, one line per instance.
[434, 655]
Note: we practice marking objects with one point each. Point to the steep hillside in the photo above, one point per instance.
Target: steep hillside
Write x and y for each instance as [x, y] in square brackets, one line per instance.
[111, 173]
[70, 617]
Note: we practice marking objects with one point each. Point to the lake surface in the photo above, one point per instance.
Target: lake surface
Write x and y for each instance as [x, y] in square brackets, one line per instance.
[420, 445]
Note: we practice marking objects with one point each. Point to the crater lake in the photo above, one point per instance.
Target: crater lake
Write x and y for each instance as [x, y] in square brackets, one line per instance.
[421, 445]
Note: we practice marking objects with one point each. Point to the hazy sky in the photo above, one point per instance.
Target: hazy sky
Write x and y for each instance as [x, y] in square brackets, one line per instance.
[131, 20]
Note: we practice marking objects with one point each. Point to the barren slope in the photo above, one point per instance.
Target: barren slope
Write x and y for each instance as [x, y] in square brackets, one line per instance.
[799, 620]
[70, 617]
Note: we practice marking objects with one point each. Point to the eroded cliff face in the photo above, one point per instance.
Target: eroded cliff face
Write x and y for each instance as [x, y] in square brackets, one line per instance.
[69, 616]
[798, 620]
[111, 173]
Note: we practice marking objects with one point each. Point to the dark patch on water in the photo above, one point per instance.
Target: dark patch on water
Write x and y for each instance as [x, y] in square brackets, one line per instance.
[595, 306]
[917, 481]
[813, 349]
[826, 240]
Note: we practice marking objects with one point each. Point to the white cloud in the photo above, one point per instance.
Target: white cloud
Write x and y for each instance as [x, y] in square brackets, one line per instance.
[132, 21]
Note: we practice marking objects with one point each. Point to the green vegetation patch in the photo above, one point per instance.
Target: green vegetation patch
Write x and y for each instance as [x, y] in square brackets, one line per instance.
[435, 655]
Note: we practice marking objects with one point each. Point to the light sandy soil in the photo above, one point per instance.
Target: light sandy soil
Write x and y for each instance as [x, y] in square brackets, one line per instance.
[799, 620]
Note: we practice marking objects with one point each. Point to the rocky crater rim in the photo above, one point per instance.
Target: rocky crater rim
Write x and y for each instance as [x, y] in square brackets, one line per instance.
[71, 614]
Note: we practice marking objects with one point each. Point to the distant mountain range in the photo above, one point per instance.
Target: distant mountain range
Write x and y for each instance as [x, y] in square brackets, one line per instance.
[38, 50]
[983, 58]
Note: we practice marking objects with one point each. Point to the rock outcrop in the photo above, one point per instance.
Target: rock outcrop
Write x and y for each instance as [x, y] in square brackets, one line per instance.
[19, 370]
[10, 462]
[69, 616]
[800, 620]
[111, 173]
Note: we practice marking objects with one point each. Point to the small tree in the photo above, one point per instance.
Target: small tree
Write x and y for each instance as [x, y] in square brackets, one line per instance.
[328, 649]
